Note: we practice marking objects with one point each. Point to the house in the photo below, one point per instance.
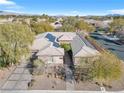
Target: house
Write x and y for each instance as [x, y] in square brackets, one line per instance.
[81, 48]
[47, 47]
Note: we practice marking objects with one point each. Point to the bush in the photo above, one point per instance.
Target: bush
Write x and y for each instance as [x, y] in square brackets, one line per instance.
[66, 47]
[38, 67]
[38, 63]
[104, 69]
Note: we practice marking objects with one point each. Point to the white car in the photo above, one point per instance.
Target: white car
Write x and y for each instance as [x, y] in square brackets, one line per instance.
[111, 37]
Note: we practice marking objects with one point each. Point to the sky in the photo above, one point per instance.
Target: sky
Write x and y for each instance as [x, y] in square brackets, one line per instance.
[64, 7]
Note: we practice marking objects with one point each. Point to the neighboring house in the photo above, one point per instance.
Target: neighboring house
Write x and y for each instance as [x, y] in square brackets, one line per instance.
[81, 48]
[96, 23]
[56, 25]
[6, 20]
[120, 34]
[47, 47]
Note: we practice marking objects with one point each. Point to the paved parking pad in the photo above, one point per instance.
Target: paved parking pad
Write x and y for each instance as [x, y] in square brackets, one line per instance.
[19, 70]
[19, 78]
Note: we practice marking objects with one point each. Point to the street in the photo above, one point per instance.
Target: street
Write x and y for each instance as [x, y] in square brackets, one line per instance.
[114, 47]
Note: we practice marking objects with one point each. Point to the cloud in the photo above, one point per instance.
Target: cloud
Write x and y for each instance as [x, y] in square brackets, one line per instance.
[14, 11]
[14, 7]
[7, 2]
[117, 11]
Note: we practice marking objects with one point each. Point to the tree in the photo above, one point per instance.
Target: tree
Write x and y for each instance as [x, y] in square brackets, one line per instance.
[117, 25]
[41, 27]
[15, 40]
[81, 25]
[51, 19]
[45, 16]
[69, 24]
[102, 69]
[68, 28]
[106, 69]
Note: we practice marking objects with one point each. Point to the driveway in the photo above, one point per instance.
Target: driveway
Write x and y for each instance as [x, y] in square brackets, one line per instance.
[114, 47]
[18, 79]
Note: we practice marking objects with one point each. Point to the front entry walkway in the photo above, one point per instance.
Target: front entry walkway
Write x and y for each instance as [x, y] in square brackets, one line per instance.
[70, 82]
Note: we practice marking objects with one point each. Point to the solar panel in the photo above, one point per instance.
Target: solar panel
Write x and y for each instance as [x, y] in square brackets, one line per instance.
[56, 44]
[52, 39]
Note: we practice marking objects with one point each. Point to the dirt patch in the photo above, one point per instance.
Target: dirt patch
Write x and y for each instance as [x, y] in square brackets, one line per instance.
[42, 82]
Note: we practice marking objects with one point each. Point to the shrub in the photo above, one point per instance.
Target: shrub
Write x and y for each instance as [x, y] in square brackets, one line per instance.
[66, 47]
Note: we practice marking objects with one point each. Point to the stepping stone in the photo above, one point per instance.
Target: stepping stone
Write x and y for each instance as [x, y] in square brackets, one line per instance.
[20, 77]
[22, 85]
[14, 77]
[9, 85]
[15, 85]
[18, 70]
[26, 71]
[26, 77]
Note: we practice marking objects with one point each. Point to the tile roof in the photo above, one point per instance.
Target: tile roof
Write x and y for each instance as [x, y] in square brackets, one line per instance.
[51, 51]
[82, 48]
[39, 44]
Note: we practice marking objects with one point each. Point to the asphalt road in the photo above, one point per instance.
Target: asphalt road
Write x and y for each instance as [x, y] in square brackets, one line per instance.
[114, 47]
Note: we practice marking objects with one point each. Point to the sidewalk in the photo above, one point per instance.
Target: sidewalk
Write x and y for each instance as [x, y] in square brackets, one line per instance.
[18, 79]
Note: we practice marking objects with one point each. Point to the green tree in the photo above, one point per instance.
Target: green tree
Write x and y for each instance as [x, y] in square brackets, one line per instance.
[68, 28]
[72, 24]
[15, 40]
[103, 69]
[81, 25]
[41, 27]
[51, 19]
[106, 69]
[69, 24]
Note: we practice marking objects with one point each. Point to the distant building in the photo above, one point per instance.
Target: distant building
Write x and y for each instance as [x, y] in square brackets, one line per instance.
[41, 20]
[56, 25]
[6, 20]
[120, 34]
[96, 23]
